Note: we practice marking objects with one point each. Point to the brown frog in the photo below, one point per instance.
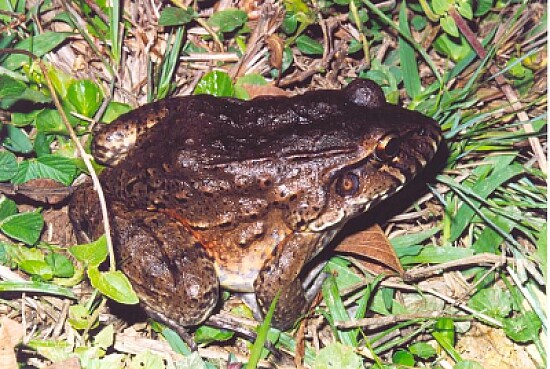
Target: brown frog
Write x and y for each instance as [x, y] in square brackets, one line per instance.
[207, 193]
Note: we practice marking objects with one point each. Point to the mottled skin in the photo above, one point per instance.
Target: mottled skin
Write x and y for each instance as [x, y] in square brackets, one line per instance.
[209, 192]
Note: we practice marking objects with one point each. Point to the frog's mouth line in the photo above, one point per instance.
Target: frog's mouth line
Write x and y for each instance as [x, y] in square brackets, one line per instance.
[331, 219]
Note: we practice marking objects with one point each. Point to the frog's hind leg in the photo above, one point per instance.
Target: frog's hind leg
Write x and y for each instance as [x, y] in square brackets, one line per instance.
[112, 142]
[170, 271]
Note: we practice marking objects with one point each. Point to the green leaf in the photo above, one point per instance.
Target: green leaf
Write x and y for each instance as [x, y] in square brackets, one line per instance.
[407, 58]
[418, 22]
[523, 328]
[86, 96]
[193, 361]
[42, 144]
[408, 240]
[58, 168]
[105, 338]
[206, 335]
[24, 227]
[483, 7]
[8, 165]
[114, 285]
[228, 20]
[436, 255]
[174, 16]
[423, 350]
[91, 254]
[309, 46]
[215, 83]
[337, 356]
[12, 91]
[60, 264]
[173, 339]
[37, 268]
[60, 81]
[290, 23]
[78, 316]
[7, 207]
[16, 140]
[448, 24]
[493, 301]
[403, 357]
[441, 7]
[147, 360]
[38, 45]
[49, 121]
[115, 110]
[468, 364]
[465, 9]
[456, 51]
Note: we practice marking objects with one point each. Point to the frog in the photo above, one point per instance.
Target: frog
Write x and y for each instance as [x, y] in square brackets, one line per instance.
[208, 194]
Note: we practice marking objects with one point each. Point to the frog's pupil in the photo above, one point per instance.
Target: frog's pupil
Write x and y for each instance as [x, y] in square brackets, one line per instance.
[347, 185]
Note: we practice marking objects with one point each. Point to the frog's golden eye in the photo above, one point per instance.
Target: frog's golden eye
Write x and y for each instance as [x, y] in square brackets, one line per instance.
[347, 184]
[388, 147]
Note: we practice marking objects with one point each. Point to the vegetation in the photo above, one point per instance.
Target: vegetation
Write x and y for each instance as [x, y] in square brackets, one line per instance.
[473, 242]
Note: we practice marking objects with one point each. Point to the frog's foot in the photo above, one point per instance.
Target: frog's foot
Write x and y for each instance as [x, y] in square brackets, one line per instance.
[311, 284]
[170, 271]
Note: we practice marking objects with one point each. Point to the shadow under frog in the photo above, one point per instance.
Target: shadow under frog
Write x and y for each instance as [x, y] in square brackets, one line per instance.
[208, 193]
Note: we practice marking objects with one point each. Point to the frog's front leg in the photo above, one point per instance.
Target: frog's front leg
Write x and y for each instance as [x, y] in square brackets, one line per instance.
[281, 273]
[169, 270]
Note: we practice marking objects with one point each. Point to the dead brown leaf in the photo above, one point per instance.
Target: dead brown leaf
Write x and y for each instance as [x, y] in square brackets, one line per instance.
[71, 363]
[276, 46]
[372, 244]
[265, 90]
[11, 334]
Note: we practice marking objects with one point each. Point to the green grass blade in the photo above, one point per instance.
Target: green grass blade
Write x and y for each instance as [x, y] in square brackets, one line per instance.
[169, 65]
[419, 48]
[263, 330]
[338, 311]
[115, 34]
[408, 62]
[36, 287]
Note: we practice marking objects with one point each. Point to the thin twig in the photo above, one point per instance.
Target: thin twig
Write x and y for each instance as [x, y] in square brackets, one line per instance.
[477, 260]
[390, 320]
[85, 156]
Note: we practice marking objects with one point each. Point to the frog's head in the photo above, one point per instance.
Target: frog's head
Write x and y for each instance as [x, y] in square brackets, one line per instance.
[392, 145]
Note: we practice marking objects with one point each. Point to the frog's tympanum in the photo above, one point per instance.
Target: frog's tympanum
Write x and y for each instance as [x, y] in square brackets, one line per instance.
[208, 193]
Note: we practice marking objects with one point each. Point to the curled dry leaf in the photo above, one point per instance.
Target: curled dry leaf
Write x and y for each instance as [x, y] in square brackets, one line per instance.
[372, 244]
[11, 334]
[71, 363]
[276, 46]
[256, 90]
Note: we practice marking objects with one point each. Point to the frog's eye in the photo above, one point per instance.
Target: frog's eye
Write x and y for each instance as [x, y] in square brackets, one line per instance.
[347, 184]
[388, 147]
